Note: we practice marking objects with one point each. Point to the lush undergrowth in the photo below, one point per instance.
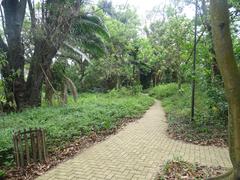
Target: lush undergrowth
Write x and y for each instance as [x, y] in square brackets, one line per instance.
[92, 112]
[207, 127]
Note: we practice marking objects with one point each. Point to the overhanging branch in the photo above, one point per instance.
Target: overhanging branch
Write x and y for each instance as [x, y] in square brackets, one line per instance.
[80, 53]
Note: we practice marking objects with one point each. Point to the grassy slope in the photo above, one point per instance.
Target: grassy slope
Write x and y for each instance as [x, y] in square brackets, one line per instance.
[91, 112]
[177, 105]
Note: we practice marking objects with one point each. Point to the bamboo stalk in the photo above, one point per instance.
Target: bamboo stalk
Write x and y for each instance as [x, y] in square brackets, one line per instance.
[36, 144]
[16, 150]
[26, 147]
[20, 150]
[33, 144]
[39, 145]
[37, 152]
[44, 145]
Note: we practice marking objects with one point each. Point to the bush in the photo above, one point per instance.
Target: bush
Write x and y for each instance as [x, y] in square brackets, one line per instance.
[120, 92]
[123, 91]
[136, 89]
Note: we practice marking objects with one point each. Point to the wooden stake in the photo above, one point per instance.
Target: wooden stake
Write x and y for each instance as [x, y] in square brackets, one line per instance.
[26, 146]
[20, 149]
[16, 150]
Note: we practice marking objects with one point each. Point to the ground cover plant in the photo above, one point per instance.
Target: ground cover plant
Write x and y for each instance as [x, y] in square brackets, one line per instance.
[207, 128]
[63, 124]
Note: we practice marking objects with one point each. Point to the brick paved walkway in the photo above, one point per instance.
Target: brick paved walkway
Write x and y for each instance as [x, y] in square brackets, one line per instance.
[136, 153]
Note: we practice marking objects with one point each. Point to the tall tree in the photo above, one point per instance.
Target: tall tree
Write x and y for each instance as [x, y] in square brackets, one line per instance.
[14, 12]
[231, 76]
[50, 21]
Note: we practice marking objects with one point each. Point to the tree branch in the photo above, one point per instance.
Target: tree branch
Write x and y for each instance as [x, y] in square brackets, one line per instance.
[3, 22]
[54, 90]
[21, 11]
[3, 45]
[32, 14]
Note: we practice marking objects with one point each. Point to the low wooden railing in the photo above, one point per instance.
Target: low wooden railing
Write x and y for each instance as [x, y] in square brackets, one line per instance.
[29, 147]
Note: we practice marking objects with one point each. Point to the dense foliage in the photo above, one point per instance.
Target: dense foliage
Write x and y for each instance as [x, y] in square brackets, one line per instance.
[107, 47]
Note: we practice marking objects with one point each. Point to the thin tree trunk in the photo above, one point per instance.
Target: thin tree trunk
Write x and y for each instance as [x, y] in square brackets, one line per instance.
[231, 76]
[118, 81]
[179, 82]
[64, 94]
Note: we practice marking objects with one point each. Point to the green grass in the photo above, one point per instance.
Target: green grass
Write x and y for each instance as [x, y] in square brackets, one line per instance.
[177, 104]
[92, 112]
[174, 101]
[177, 101]
[164, 90]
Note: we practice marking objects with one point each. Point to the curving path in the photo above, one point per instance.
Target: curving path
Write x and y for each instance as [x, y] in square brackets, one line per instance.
[136, 153]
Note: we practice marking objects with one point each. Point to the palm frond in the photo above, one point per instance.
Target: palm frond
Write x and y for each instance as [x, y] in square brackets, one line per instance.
[77, 51]
[72, 88]
[86, 24]
[95, 47]
[90, 33]
[95, 24]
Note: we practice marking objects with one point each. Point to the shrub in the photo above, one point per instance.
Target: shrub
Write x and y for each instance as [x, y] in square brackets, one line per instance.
[124, 91]
[136, 89]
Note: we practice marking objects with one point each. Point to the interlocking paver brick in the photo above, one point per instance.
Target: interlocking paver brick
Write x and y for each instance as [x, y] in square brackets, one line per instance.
[136, 153]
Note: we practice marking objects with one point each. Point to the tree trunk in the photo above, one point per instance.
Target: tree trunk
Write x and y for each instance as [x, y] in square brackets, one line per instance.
[13, 72]
[231, 76]
[214, 67]
[179, 80]
[41, 61]
[118, 81]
